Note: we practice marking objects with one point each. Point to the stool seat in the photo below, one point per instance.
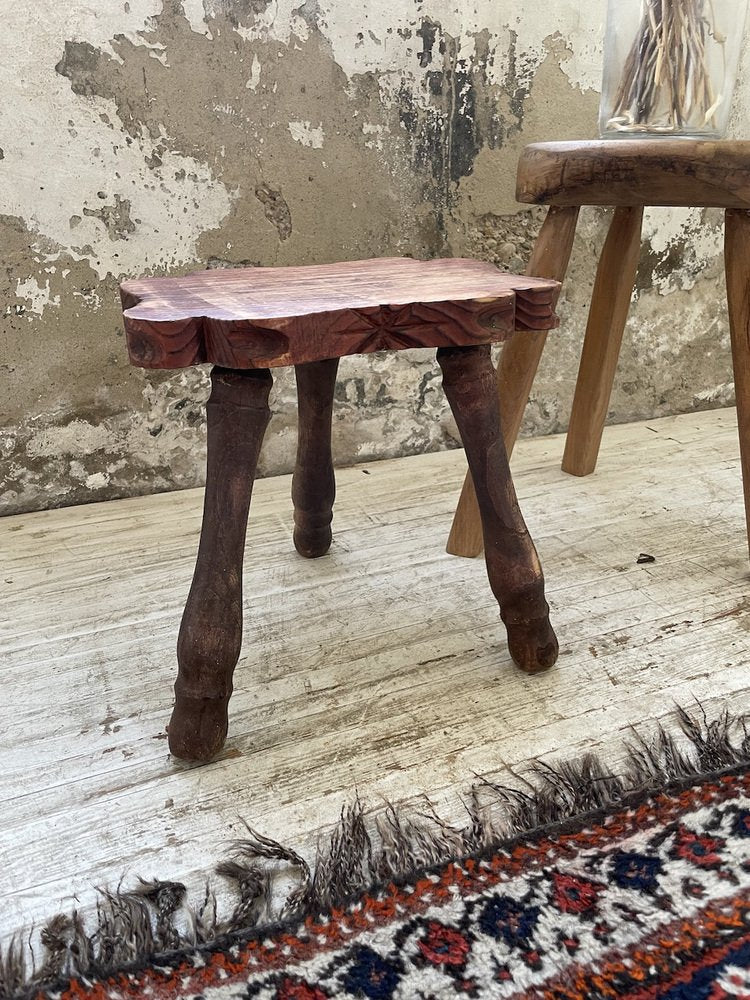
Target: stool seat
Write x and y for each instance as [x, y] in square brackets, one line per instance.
[250, 320]
[671, 172]
[264, 317]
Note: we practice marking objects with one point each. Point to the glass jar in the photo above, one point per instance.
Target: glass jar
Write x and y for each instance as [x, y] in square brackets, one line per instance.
[670, 67]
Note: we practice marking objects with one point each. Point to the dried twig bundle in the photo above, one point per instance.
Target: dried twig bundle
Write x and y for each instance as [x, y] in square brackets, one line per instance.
[666, 84]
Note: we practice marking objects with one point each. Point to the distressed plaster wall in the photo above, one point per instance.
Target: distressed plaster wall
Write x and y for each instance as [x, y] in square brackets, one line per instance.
[151, 137]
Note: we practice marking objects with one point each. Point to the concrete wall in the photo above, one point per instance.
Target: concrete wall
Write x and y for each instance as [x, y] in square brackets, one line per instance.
[149, 137]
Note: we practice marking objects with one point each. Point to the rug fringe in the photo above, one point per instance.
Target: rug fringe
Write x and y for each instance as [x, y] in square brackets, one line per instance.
[154, 918]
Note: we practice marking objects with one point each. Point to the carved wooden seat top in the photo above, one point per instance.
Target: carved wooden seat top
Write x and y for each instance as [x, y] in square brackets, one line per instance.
[265, 317]
[672, 172]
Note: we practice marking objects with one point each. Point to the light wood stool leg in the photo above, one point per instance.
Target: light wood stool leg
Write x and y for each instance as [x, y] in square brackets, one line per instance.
[210, 637]
[314, 482]
[608, 313]
[519, 361]
[737, 264]
[513, 567]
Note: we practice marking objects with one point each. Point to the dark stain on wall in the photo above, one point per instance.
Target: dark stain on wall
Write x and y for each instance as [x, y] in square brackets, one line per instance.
[239, 12]
[656, 267]
[465, 111]
[115, 218]
[428, 33]
[80, 63]
[276, 210]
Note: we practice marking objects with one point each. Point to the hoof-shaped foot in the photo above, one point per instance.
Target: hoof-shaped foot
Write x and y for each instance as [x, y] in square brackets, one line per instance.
[533, 645]
[198, 728]
[313, 542]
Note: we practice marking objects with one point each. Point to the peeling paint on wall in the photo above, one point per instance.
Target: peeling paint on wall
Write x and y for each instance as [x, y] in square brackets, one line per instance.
[157, 137]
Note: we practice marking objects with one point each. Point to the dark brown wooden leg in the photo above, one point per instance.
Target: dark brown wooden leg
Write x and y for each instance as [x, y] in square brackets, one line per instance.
[513, 566]
[211, 631]
[737, 264]
[519, 361]
[314, 482]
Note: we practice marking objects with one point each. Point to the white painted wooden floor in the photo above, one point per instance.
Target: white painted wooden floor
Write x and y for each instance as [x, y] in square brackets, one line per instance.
[380, 669]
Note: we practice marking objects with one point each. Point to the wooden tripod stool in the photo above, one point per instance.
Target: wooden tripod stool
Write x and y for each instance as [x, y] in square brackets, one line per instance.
[627, 174]
[250, 320]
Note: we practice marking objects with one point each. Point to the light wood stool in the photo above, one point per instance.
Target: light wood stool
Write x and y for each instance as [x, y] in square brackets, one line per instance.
[249, 320]
[627, 174]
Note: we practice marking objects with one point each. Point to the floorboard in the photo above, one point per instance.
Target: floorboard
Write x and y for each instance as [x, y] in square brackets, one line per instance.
[380, 670]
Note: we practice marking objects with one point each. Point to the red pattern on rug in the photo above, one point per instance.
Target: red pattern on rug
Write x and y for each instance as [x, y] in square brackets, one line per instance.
[651, 901]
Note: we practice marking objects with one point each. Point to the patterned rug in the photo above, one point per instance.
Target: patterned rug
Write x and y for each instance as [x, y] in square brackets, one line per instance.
[633, 885]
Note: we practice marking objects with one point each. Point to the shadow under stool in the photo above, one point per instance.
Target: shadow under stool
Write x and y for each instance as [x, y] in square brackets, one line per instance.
[627, 174]
[247, 321]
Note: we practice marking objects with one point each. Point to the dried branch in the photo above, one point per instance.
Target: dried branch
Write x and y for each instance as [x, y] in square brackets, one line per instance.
[666, 82]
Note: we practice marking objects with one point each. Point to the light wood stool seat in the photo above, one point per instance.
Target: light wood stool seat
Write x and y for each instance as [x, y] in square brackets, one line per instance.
[627, 174]
[671, 172]
[247, 321]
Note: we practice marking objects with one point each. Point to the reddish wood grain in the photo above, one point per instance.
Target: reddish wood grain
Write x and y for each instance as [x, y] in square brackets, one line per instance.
[266, 317]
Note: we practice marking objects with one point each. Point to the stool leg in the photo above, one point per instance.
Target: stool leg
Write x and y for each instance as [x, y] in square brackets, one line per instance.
[615, 277]
[519, 361]
[211, 631]
[737, 264]
[314, 482]
[512, 563]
